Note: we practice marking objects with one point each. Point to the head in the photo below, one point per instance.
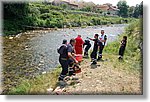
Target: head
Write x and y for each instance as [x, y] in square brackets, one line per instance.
[96, 36]
[79, 35]
[64, 41]
[102, 31]
[125, 38]
[73, 42]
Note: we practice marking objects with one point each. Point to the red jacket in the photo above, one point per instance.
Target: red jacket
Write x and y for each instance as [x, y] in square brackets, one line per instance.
[79, 45]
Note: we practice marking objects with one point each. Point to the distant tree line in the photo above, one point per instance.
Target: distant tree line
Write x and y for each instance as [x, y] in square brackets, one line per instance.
[18, 15]
[126, 11]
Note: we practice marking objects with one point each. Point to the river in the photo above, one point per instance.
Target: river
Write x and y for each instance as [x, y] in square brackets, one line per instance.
[31, 53]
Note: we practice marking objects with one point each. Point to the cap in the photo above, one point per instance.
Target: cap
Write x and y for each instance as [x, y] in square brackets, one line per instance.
[64, 41]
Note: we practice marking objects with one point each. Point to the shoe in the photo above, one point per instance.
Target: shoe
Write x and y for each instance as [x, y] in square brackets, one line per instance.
[93, 63]
[120, 58]
[99, 58]
[85, 56]
[74, 78]
[60, 79]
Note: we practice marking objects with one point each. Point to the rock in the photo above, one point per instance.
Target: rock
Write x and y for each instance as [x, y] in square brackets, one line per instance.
[26, 49]
[18, 36]
[11, 37]
[40, 64]
[97, 80]
[44, 72]
[84, 89]
[50, 90]
[59, 90]
[42, 61]
[89, 77]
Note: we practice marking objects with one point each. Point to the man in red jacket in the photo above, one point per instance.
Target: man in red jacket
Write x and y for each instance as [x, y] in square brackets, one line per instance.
[79, 45]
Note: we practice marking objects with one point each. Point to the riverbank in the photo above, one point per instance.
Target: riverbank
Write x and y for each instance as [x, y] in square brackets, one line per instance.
[30, 51]
[109, 77]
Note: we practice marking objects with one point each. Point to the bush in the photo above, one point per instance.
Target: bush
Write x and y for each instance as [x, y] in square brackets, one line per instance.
[46, 16]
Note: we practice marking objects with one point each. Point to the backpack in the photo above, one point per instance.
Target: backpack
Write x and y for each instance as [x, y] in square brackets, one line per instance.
[62, 49]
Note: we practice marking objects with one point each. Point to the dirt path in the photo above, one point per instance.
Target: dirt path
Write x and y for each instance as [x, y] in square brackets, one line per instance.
[106, 78]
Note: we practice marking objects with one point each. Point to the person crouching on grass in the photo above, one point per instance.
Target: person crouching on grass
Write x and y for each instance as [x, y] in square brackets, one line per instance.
[122, 47]
[95, 49]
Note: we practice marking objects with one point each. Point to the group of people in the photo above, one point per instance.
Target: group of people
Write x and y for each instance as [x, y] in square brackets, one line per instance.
[68, 51]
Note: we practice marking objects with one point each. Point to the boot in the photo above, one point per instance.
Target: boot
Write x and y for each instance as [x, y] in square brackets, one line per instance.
[94, 62]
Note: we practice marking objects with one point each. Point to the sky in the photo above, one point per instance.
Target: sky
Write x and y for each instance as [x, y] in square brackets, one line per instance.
[114, 2]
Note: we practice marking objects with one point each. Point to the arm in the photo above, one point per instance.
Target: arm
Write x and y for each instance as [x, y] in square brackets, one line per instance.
[103, 40]
[90, 38]
[70, 56]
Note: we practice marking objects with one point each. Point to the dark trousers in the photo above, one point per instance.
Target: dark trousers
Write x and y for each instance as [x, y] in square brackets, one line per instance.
[94, 54]
[121, 51]
[71, 70]
[64, 65]
[87, 48]
[101, 51]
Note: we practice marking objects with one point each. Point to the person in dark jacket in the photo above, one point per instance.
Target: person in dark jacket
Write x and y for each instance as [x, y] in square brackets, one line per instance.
[66, 57]
[122, 47]
[95, 49]
[63, 60]
[87, 46]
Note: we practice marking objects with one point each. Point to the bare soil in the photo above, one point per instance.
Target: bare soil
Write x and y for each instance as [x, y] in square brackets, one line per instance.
[106, 77]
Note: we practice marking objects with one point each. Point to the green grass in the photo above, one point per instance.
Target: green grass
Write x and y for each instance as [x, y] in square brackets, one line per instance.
[37, 85]
[133, 55]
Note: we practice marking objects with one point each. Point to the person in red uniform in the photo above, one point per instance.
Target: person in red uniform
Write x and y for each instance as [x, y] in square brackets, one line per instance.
[79, 45]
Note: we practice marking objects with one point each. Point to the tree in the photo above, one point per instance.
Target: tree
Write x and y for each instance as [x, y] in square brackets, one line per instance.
[131, 11]
[138, 11]
[123, 8]
[64, 6]
[15, 10]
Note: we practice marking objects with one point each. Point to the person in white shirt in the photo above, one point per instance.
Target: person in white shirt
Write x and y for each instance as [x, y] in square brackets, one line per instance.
[103, 39]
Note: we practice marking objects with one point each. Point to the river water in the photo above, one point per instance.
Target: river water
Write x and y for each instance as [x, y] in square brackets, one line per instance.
[30, 53]
[45, 47]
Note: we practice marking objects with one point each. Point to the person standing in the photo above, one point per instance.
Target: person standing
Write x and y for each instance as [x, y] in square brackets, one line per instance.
[79, 45]
[95, 49]
[63, 60]
[122, 47]
[103, 39]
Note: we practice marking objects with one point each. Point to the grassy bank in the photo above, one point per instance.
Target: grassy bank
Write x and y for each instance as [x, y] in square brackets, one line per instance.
[133, 52]
[38, 85]
[50, 16]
